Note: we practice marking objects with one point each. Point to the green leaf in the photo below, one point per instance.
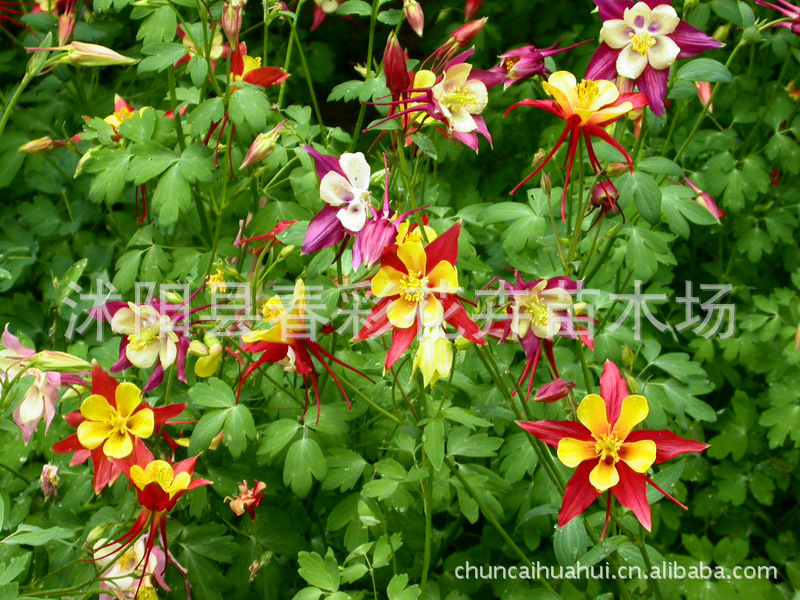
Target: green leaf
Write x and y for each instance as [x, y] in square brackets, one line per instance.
[14, 567]
[127, 269]
[149, 161]
[30, 535]
[659, 165]
[173, 194]
[355, 7]
[322, 573]
[505, 211]
[398, 589]
[208, 427]
[160, 26]
[249, 105]
[644, 191]
[277, 436]
[705, 69]
[304, 459]
[602, 550]
[239, 427]
[110, 168]
[212, 394]
[161, 55]
[391, 17]
[433, 442]
[72, 276]
[201, 118]
[782, 421]
[197, 164]
[140, 127]
[570, 542]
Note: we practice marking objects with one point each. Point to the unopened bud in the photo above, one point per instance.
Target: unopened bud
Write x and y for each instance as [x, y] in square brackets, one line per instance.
[752, 34]
[616, 169]
[704, 90]
[66, 25]
[633, 385]
[198, 348]
[59, 362]
[722, 32]
[414, 15]
[82, 54]
[538, 158]
[49, 482]
[173, 297]
[554, 391]
[628, 357]
[83, 159]
[232, 21]
[40, 146]
[471, 8]
[216, 441]
[464, 34]
[546, 184]
[395, 68]
[263, 146]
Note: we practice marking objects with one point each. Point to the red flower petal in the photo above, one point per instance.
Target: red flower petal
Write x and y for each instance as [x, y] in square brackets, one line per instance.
[401, 341]
[103, 384]
[631, 491]
[444, 247]
[668, 444]
[552, 432]
[613, 390]
[580, 493]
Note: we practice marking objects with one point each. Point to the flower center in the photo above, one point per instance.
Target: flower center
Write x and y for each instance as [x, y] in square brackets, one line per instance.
[412, 287]
[143, 339]
[537, 311]
[272, 309]
[510, 62]
[459, 98]
[607, 446]
[119, 423]
[160, 472]
[216, 282]
[641, 42]
[587, 91]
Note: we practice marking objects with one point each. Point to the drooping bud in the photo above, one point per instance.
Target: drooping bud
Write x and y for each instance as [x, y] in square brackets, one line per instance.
[722, 32]
[376, 235]
[546, 184]
[617, 169]
[414, 15]
[66, 24]
[471, 7]
[704, 93]
[49, 482]
[628, 357]
[40, 146]
[263, 146]
[704, 199]
[464, 34]
[434, 356]
[605, 196]
[554, 391]
[247, 500]
[232, 21]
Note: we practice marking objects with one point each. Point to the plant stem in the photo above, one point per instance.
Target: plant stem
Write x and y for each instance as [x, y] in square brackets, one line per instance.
[370, 48]
[289, 49]
[173, 101]
[310, 83]
[26, 79]
[648, 564]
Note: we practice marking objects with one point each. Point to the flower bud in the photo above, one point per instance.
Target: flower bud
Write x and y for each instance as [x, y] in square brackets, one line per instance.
[471, 7]
[704, 90]
[413, 13]
[49, 482]
[722, 32]
[633, 385]
[198, 348]
[628, 357]
[82, 54]
[554, 391]
[394, 66]
[546, 184]
[263, 146]
[59, 362]
[66, 24]
[616, 169]
[605, 196]
[371, 240]
[207, 365]
[40, 146]
[83, 159]
[216, 441]
[464, 34]
[232, 21]
[705, 199]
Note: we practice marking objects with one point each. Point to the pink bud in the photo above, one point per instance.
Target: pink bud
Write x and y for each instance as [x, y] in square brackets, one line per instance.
[605, 196]
[66, 24]
[263, 146]
[471, 7]
[464, 34]
[554, 391]
[704, 93]
[705, 199]
[232, 21]
[414, 15]
[49, 482]
[92, 55]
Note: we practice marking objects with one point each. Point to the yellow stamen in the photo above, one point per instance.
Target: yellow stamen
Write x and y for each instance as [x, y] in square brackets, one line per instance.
[587, 90]
[272, 309]
[458, 98]
[412, 287]
[144, 339]
[607, 446]
[641, 42]
[216, 282]
[510, 62]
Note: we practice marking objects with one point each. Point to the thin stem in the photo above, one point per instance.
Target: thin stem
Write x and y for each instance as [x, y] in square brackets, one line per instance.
[26, 79]
[289, 49]
[370, 48]
[648, 564]
[310, 83]
[173, 101]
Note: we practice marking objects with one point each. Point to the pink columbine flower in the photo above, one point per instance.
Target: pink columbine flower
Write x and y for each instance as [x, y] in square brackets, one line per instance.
[520, 64]
[39, 402]
[787, 10]
[344, 187]
[641, 42]
[414, 15]
[155, 334]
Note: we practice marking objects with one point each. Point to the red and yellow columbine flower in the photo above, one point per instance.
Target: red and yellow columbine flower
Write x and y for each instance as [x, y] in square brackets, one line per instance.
[159, 485]
[606, 451]
[417, 287]
[285, 340]
[587, 107]
[248, 500]
[114, 427]
[110, 425]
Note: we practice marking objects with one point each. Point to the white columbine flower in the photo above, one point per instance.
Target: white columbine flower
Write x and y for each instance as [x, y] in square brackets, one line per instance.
[642, 35]
[150, 335]
[351, 192]
[459, 98]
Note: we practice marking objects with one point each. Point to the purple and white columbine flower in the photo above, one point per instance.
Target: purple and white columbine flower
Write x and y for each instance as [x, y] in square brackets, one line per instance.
[344, 187]
[641, 42]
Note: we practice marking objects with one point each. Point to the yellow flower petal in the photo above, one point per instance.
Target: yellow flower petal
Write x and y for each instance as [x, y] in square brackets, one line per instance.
[179, 483]
[606, 114]
[97, 408]
[142, 423]
[443, 278]
[634, 410]
[424, 79]
[128, 397]
[402, 313]
[604, 476]
[91, 434]
[592, 413]
[639, 456]
[561, 86]
[273, 334]
[138, 477]
[607, 93]
[386, 282]
[298, 306]
[160, 472]
[413, 257]
[573, 452]
[432, 311]
[119, 445]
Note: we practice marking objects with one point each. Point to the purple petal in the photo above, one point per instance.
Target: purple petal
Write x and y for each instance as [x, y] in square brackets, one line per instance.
[482, 129]
[470, 140]
[692, 41]
[11, 342]
[654, 85]
[324, 230]
[106, 312]
[183, 347]
[324, 163]
[155, 380]
[123, 362]
[654, 3]
[491, 78]
[603, 64]
[612, 9]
